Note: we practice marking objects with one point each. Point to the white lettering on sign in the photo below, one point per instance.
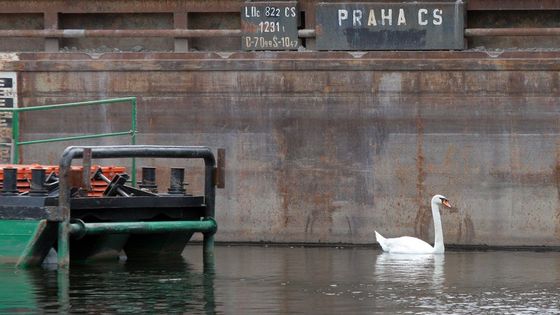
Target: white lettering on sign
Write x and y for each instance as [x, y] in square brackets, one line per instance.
[421, 18]
[342, 15]
[386, 17]
[402, 18]
[357, 18]
[290, 12]
[253, 11]
[437, 16]
[371, 19]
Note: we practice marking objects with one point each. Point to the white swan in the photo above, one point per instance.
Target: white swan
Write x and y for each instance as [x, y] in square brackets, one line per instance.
[413, 245]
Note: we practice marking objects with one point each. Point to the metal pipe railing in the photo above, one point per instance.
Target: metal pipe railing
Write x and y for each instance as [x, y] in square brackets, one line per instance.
[535, 31]
[81, 229]
[16, 143]
[145, 151]
[186, 33]
[81, 33]
[179, 33]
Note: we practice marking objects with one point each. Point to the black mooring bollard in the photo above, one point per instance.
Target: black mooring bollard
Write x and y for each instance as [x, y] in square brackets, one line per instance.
[37, 182]
[149, 179]
[177, 178]
[9, 185]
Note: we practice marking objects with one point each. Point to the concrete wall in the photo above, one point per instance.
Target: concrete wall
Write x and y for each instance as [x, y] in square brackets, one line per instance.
[327, 147]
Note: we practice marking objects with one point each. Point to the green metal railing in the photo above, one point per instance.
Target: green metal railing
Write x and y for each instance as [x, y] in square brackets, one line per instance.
[80, 228]
[16, 143]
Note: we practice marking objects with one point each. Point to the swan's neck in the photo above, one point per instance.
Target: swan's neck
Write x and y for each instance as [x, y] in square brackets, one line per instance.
[438, 231]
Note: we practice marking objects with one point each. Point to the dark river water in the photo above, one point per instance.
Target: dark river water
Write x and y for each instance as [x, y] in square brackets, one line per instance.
[292, 280]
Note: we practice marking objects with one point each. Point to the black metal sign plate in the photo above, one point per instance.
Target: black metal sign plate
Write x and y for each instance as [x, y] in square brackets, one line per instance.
[390, 26]
[5, 151]
[8, 99]
[270, 26]
[6, 82]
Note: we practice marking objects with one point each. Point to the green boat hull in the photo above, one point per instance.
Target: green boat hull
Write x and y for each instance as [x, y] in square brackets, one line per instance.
[26, 242]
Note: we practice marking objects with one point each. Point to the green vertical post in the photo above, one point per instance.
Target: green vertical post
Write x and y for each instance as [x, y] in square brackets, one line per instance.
[15, 136]
[63, 249]
[63, 290]
[208, 249]
[133, 140]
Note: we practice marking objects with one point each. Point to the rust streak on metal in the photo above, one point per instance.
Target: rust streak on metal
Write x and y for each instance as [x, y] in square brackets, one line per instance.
[221, 168]
[557, 178]
[86, 176]
[422, 216]
[469, 235]
[283, 176]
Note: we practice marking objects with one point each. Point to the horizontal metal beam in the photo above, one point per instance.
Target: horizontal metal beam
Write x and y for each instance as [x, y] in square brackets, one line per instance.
[180, 33]
[289, 61]
[119, 6]
[218, 6]
[81, 33]
[494, 5]
[305, 33]
[535, 31]
[81, 229]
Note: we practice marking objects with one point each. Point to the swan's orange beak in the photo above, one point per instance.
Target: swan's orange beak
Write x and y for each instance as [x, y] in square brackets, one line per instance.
[446, 203]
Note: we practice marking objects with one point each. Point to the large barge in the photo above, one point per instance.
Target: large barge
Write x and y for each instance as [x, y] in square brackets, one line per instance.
[62, 210]
[331, 139]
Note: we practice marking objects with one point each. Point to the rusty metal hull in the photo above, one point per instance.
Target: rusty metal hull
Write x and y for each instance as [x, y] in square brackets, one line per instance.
[328, 147]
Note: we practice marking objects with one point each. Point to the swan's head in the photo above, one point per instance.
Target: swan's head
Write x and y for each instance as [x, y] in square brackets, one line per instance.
[441, 200]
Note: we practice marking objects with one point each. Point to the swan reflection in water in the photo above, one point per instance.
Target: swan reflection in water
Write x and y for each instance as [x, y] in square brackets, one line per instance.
[426, 270]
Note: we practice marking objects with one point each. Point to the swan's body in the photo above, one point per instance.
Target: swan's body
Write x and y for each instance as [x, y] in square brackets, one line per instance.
[404, 244]
[413, 245]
